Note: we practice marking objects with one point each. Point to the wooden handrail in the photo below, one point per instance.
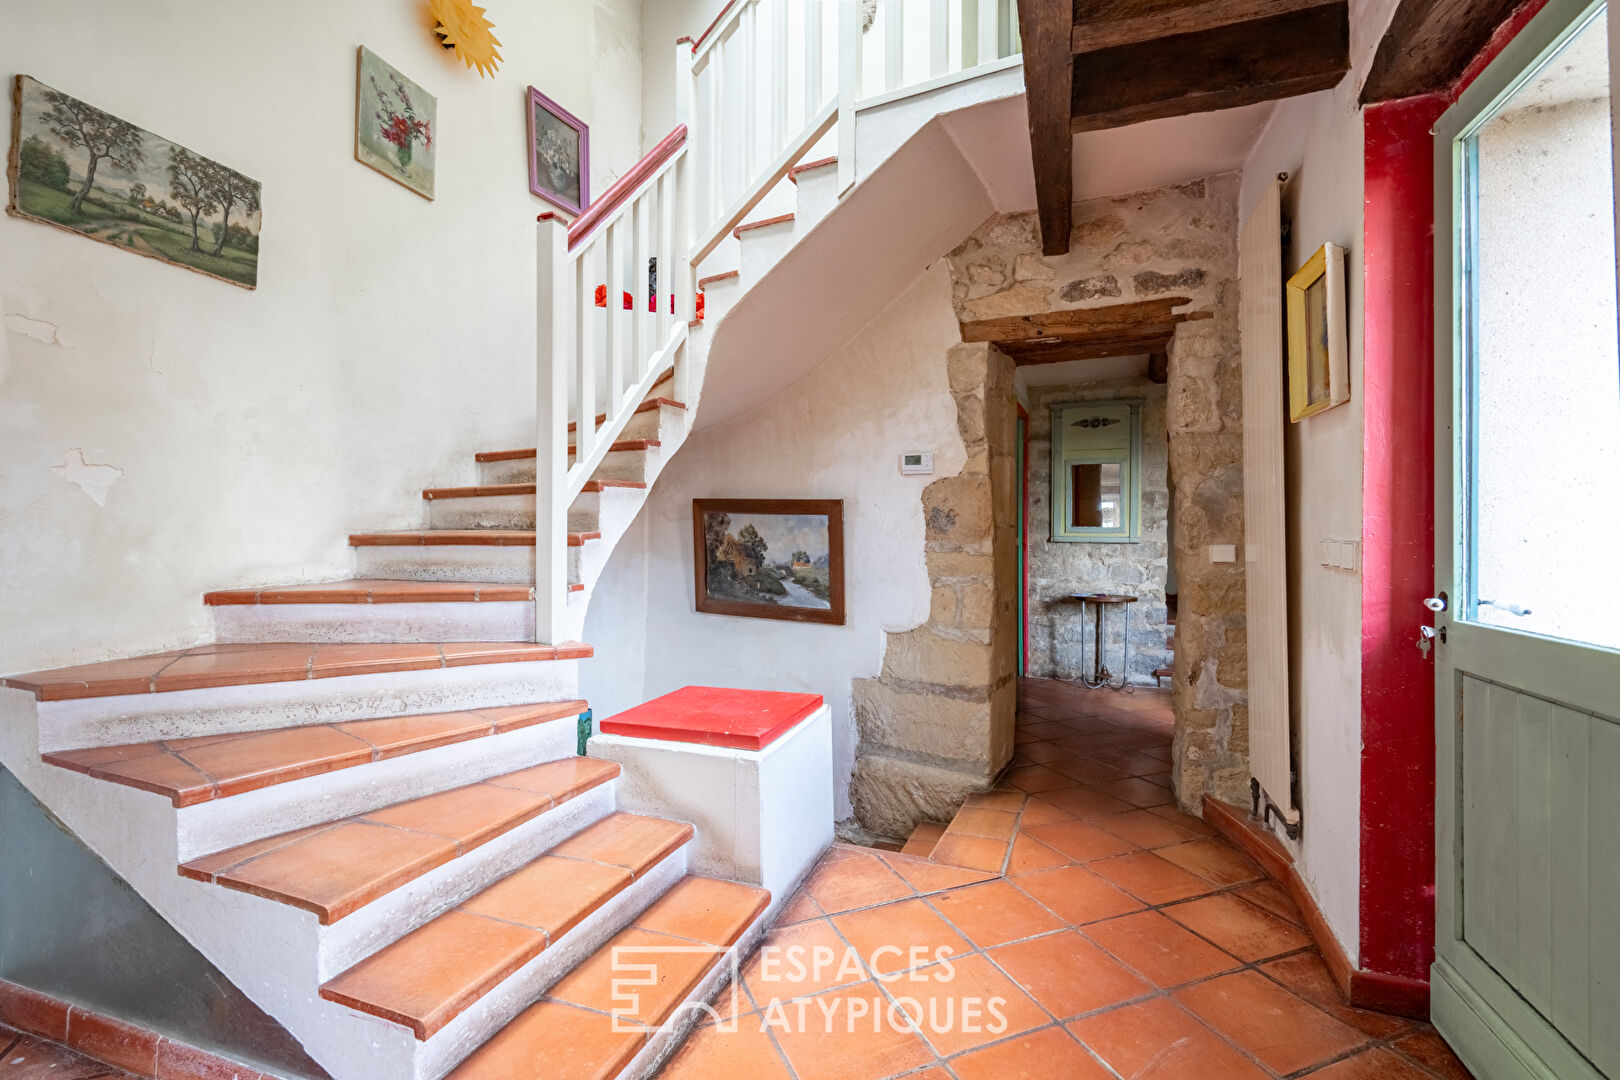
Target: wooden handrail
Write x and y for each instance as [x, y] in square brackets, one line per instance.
[718, 19]
[625, 186]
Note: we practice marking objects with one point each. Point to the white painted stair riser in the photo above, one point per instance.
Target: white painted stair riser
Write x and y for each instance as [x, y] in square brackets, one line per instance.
[763, 248]
[511, 565]
[486, 620]
[181, 714]
[817, 196]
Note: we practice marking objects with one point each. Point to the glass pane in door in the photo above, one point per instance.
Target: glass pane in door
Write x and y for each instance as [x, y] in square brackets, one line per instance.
[1541, 364]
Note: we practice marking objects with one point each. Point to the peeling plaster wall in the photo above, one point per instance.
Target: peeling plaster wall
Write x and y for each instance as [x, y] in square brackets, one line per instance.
[1174, 241]
[837, 433]
[1317, 139]
[162, 433]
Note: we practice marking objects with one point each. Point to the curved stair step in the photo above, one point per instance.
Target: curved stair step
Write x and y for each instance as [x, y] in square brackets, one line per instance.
[582, 1029]
[433, 974]
[375, 591]
[337, 868]
[204, 768]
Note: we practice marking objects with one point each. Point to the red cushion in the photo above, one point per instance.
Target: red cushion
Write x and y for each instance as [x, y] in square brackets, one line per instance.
[714, 716]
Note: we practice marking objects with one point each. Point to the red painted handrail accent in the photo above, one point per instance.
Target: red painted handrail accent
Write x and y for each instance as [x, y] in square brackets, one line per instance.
[718, 19]
[619, 193]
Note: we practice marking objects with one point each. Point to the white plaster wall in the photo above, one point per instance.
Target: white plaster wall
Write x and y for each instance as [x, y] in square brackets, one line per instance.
[662, 21]
[389, 339]
[1317, 140]
[837, 433]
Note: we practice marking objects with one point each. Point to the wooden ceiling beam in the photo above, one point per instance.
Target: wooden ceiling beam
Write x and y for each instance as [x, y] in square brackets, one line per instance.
[1046, 27]
[1097, 28]
[1429, 44]
[1223, 68]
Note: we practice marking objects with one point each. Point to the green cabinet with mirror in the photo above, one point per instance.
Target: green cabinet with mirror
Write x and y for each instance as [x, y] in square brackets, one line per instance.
[1096, 482]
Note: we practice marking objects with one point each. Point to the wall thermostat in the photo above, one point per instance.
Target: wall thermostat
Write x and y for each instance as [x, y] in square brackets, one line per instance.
[919, 463]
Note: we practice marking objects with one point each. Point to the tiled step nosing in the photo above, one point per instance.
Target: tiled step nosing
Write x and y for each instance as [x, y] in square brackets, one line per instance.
[483, 491]
[164, 767]
[375, 591]
[459, 538]
[820, 163]
[487, 810]
[381, 984]
[729, 275]
[750, 226]
[623, 446]
[216, 666]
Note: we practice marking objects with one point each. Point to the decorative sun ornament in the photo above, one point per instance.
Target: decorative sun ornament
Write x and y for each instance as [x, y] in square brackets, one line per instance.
[463, 29]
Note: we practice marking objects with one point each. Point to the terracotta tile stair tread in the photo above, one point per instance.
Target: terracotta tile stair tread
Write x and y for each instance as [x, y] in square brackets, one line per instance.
[337, 868]
[793, 173]
[374, 591]
[620, 446]
[749, 226]
[460, 537]
[705, 282]
[198, 770]
[571, 1031]
[922, 839]
[271, 662]
[480, 491]
[648, 405]
[433, 974]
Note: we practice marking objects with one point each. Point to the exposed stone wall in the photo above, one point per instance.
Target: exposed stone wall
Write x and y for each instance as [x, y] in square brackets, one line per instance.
[1060, 647]
[937, 724]
[1174, 241]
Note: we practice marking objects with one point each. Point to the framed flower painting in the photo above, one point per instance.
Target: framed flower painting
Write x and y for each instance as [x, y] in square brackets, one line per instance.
[393, 127]
[559, 154]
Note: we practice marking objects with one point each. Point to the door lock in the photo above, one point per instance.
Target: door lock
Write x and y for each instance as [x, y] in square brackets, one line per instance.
[1425, 641]
[1436, 603]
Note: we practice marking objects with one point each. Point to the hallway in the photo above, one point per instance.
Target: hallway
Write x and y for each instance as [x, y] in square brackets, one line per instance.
[1124, 937]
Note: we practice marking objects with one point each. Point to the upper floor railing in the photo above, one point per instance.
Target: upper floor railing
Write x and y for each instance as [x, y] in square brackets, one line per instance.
[756, 92]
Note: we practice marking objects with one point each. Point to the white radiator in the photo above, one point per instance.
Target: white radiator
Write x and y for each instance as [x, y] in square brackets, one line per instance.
[1264, 529]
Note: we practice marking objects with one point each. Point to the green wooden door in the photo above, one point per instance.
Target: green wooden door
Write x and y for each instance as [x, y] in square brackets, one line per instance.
[1526, 979]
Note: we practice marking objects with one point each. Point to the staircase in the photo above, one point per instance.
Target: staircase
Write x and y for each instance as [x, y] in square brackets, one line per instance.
[362, 802]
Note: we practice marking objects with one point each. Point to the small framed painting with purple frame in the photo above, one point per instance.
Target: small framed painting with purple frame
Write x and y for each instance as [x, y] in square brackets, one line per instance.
[559, 154]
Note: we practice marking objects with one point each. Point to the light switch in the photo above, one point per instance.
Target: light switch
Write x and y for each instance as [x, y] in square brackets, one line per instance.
[1223, 553]
[1340, 554]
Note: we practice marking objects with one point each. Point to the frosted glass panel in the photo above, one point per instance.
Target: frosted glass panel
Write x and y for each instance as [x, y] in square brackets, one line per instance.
[1542, 368]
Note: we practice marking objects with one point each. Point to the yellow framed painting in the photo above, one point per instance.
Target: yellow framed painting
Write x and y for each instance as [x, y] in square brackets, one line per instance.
[1318, 344]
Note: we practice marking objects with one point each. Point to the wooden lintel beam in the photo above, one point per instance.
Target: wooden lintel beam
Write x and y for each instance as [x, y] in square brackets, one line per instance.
[1223, 68]
[1429, 44]
[1094, 32]
[1046, 27]
[1064, 351]
[1111, 320]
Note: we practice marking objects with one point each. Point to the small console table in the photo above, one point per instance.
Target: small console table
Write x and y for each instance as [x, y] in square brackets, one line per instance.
[1101, 678]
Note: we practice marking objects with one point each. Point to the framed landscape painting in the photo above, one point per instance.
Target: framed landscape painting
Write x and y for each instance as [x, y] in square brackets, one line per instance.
[393, 125]
[770, 558]
[81, 169]
[559, 154]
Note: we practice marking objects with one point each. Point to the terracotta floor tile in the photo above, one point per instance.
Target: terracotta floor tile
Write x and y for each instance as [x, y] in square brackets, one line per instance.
[396, 735]
[1077, 895]
[678, 967]
[1239, 927]
[851, 882]
[1280, 1028]
[562, 779]
[1045, 729]
[1272, 897]
[799, 960]
[470, 815]
[927, 876]
[274, 757]
[950, 1003]
[1374, 1064]
[1085, 802]
[1010, 801]
[845, 1034]
[800, 908]
[1306, 975]
[1160, 950]
[28, 1057]
[551, 894]
[632, 841]
[995, 913]
[1040, 751]
[898, 937]
[1137, 791]
[1155, 1040]
[552, 1039]
[705, 910]
[992, 824]
[1214, 860]
[351, 659]
[1146, 876]
[747, 1053]
[1030, 855]
[1080, 840]
[1037, 812]
[428, 977]
[335, 871]
[1033, 778]
[1048, 1054]
[1084, 770]
[1068, 974]
[1143, 828]
[1428, 1049]
[972, 852]
[1192, 824]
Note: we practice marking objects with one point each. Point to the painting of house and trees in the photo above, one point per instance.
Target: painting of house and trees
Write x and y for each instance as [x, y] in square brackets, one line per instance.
[79, 168]
[770, 558]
